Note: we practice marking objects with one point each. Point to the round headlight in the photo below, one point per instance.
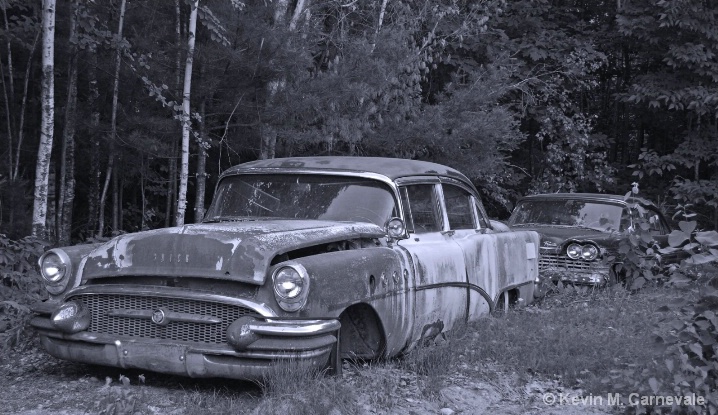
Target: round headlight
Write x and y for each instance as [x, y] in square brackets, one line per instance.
[574, 251]
[53, 268]
[589, 252]
[288, 283]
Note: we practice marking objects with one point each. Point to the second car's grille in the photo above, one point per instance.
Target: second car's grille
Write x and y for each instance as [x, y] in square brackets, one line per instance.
[561, 261]
[196, 332]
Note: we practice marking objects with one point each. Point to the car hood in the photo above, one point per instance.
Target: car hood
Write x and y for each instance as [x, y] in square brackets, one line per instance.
[240, 251]
[557, 235]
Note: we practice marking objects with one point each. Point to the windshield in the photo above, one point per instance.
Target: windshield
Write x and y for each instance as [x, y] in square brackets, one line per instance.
[292, 196]
[589, 214]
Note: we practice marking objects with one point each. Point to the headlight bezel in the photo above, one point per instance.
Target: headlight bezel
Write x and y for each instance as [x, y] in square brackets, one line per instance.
[300, 283]
[57, 285]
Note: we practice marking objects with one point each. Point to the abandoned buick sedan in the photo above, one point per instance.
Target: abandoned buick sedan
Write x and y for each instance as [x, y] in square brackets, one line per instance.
[312, 259]
[580, 231]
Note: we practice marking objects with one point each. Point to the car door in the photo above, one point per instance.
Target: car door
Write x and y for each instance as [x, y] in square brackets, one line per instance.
[440, 276]
[495, 262]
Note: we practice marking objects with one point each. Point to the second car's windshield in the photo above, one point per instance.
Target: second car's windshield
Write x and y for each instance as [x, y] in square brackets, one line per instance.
[304, 196]
[571, 212]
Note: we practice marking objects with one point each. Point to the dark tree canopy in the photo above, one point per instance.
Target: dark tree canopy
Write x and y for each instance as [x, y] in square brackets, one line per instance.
[523, 96]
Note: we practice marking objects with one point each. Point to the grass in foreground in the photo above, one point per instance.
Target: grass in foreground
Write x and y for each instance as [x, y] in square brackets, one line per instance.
[579, 338]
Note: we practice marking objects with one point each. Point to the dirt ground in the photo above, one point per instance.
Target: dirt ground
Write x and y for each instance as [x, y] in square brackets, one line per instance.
[34, 383]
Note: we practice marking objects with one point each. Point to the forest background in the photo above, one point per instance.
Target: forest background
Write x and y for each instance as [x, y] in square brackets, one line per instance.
[523, 96]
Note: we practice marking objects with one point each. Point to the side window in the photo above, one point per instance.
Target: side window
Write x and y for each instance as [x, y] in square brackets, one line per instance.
[658, 227]
[420, 208]
[459, 207]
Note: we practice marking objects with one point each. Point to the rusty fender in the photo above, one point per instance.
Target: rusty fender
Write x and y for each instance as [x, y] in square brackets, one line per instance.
[379, 277]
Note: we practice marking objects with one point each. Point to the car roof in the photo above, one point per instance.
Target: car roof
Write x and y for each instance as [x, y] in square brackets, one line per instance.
[590, 196]
[392, 168]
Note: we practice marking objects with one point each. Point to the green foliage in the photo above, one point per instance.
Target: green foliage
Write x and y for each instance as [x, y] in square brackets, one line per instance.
[122, 400]
[685, 360]
[638, 260]
[691, 349]
[20, 286]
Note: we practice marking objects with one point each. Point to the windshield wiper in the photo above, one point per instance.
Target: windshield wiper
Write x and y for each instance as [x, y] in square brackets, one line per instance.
[219, 219]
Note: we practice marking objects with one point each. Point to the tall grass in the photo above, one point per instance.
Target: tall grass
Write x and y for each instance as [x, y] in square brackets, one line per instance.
[577, 337]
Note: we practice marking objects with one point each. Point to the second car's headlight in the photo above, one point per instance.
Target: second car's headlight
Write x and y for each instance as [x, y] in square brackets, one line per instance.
[574, 251]
[589, 252]
[291, 286]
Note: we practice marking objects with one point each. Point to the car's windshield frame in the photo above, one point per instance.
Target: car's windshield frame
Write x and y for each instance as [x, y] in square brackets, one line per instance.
[303, 196]
[604, 216]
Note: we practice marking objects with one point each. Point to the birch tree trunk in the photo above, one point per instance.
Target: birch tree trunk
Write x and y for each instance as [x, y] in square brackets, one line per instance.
[67, 159]
[42, 171]
[201, 167]
[186, 121]
[172, 179]
[113, 122]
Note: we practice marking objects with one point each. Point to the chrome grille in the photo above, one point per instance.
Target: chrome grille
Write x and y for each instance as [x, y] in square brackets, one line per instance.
[100, 304]
[562, 262]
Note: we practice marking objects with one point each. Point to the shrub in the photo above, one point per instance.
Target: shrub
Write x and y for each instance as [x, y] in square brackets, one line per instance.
[20, 285]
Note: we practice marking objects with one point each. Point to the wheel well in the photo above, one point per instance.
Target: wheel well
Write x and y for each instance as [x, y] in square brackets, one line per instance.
[513, 296]
[361, 335]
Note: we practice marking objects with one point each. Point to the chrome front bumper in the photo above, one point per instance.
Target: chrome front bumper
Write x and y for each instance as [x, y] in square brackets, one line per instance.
[253, 347]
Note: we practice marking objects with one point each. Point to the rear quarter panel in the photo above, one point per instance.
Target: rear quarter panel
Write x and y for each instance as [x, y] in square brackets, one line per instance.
[497, 262]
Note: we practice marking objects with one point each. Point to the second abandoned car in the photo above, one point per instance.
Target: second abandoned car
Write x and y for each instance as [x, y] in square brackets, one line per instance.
[308, 259]
[580, 230]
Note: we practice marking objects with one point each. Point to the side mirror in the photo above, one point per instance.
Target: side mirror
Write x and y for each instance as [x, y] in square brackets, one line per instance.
[395, 229]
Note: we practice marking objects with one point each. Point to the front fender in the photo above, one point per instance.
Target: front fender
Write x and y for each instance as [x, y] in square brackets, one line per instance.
[378, 277]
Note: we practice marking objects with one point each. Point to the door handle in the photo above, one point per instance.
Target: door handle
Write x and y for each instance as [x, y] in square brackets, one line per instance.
[450, 232]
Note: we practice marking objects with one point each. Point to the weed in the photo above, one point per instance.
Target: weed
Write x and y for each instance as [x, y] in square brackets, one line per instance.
[121, 400]
[294, 389]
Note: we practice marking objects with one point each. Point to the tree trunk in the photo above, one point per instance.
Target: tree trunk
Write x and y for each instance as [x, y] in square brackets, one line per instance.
[23, 106]
[113, 122]
[94, 193]
[172, 181]
[67, 159]
[186, 121]
[42, 171]
[201, 167]
[8, 89]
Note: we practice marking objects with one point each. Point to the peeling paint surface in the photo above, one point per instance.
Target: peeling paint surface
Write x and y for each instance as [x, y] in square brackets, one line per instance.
[233, 250]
